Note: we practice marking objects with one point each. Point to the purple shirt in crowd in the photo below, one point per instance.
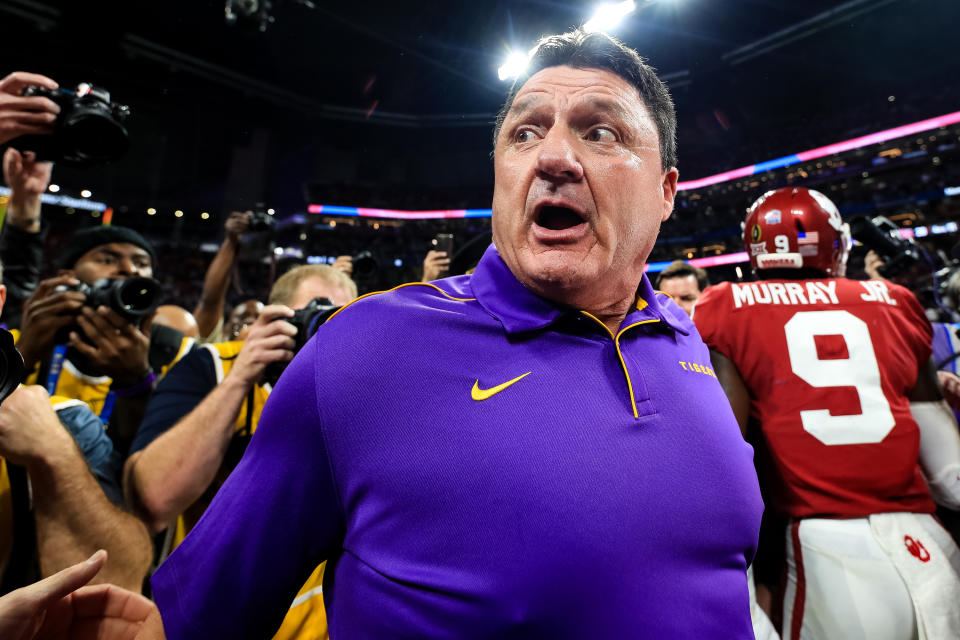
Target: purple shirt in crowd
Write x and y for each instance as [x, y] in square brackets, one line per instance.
[600, 495]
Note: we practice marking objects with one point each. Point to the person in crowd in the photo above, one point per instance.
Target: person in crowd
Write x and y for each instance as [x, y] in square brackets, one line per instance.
[458, 450]
[104, 359]
[242, 318]
[171, 315]
[684, 283]
[436, 264]
[60, 607]
[21, 243]
[22, 238]
[832, 378]
[60, 495]
[946, 339]
[213, 297]
[209, 311]
[207, 407]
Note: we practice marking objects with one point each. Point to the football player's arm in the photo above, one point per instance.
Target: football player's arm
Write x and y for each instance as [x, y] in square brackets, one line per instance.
[733, 385]
[939, 438]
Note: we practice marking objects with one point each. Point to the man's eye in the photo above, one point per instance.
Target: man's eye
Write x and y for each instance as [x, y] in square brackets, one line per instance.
[525, 135]
[601, 134]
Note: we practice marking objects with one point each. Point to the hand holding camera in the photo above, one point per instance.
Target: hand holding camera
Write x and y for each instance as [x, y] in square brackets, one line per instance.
[25, 115]
[271, 339]
[107, 313]
[52, 308]
[80, 127]
[237, 224]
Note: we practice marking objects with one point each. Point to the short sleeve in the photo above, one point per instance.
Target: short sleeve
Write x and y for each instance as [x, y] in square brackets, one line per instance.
[97, 448]
[274, 520]
[179, 393]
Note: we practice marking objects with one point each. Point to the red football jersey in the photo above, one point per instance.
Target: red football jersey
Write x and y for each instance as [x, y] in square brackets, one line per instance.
[828, 364]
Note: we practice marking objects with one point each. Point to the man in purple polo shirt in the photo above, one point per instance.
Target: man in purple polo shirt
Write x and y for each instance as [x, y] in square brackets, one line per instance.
[532, 451]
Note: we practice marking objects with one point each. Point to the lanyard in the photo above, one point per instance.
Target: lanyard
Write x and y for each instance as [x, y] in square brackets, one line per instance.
[53, 378]
[56, 366]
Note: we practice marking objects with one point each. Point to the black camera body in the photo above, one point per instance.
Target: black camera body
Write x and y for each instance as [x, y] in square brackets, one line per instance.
[883, 236]
[260, 221]
[307, 320]
[11, 365]
[132, 298]
[88, 131]
[365, 265]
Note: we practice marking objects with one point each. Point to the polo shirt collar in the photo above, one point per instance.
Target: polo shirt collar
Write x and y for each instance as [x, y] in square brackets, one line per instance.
[518, 309]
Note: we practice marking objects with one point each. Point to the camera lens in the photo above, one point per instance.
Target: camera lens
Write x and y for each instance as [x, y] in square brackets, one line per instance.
[138, 296]
[89, 135]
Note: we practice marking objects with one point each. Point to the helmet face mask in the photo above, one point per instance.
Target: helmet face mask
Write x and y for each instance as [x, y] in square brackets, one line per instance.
[794, 228]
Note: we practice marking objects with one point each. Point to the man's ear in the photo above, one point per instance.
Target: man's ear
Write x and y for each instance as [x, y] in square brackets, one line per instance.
[3, 296]
[669, 186]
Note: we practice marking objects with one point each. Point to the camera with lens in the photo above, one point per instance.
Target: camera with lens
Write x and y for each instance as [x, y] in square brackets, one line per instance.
[307, 320]
[89, 129]
[364, 265]
[883, 236]
[260, 221]
[131, 299]
[11, 365]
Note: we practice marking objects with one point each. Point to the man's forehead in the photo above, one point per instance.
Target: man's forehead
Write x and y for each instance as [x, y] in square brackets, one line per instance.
[247, 308]
[598, 85]
[122, 248]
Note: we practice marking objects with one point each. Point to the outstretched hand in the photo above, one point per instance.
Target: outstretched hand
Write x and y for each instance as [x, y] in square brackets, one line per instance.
[61, 608]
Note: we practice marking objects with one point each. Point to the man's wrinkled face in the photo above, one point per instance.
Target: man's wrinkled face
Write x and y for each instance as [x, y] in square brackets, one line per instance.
[116, 260]
[580, 193]
[684, 290]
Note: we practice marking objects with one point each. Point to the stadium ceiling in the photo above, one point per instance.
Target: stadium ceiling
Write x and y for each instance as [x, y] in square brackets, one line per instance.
[407, 63]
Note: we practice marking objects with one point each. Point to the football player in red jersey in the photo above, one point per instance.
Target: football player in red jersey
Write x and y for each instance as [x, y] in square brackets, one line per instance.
[831, 379]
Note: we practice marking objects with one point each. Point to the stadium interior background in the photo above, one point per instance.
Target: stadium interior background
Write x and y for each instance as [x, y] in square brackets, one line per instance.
[389, 105]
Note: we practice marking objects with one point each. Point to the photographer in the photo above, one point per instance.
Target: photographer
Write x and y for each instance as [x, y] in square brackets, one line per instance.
[59, 492]
[205, 409]
[213, 297]
[105, 358]
[21, 244]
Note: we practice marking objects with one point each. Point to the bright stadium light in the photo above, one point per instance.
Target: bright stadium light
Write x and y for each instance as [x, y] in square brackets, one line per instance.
[54, 188]
[608, 16]
[515, 65]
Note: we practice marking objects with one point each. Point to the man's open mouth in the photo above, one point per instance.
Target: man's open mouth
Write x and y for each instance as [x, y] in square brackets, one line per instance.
[557, 218]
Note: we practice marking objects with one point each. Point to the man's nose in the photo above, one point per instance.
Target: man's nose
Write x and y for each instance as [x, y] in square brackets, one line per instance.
[127, 267]
[557, 158]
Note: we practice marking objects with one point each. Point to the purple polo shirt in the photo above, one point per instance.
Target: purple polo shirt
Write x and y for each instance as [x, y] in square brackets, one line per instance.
[605, 494]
